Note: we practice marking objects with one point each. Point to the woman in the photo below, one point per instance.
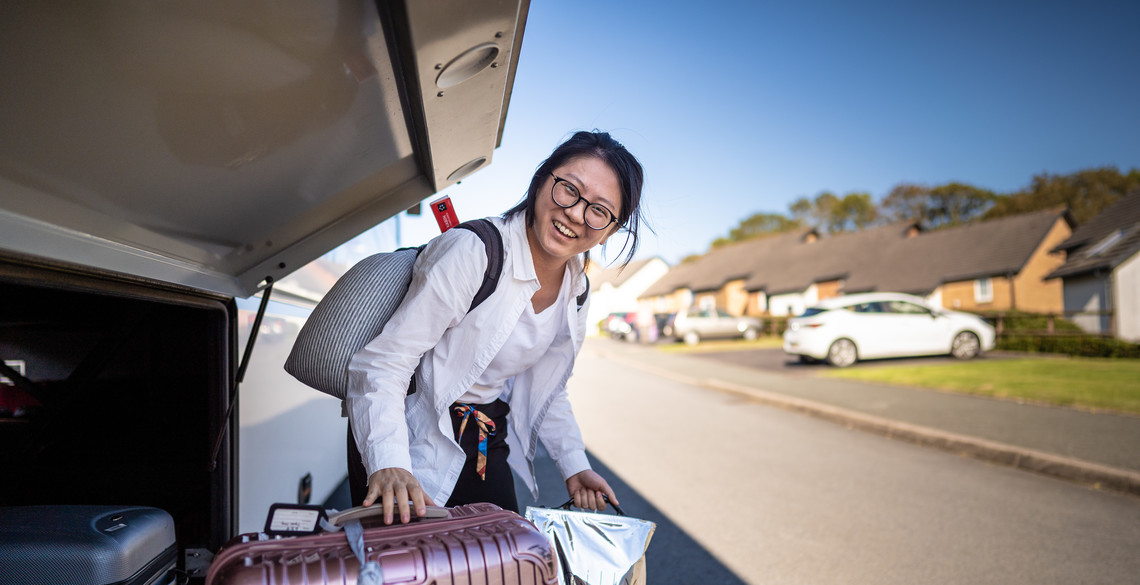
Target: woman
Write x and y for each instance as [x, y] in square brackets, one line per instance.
[506, 360]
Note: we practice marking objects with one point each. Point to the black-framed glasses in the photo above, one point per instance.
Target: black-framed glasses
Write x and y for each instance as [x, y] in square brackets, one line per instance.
[566, 195]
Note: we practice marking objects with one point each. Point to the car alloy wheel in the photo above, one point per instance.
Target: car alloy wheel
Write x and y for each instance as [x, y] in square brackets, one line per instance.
[692, 338]
[966, 346]
[750, 334]
[842, 353]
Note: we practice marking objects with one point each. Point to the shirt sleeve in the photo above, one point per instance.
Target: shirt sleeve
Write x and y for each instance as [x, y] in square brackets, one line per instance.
[562, 437]
[445, 277]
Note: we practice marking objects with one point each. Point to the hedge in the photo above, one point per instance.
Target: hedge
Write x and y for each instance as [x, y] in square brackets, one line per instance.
[1082, 346]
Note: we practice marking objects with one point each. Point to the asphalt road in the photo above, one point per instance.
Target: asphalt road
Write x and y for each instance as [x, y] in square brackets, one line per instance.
[744, 493]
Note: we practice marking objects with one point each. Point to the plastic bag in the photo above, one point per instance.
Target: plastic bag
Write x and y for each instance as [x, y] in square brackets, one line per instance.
[593, 548]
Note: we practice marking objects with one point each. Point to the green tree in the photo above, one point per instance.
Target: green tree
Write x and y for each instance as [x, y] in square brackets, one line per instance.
[756, 225]
[906, 202]
[1086, 193]
[832, 214]
[853, 213]
[816, 213]
[941, 206]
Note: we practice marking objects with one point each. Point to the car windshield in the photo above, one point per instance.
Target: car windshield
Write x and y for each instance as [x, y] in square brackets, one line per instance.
[813, 311]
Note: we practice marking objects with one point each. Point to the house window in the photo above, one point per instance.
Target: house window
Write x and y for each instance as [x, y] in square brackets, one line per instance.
[983, 290]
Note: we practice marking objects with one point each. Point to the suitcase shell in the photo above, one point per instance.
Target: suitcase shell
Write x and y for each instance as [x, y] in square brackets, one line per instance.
[477, 544]
[96, 545]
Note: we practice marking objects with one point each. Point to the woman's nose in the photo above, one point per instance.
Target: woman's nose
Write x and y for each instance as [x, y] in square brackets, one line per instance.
[577, 212]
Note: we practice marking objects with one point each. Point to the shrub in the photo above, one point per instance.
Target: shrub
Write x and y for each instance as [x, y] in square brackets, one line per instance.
[1082, 346]
[1014, 321]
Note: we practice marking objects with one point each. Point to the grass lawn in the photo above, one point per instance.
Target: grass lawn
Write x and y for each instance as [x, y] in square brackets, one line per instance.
[722, 345]
[1089, 383]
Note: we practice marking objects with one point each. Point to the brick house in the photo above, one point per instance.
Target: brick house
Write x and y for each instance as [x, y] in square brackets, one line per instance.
[1101, 274]
[994, 265]
[616, 289]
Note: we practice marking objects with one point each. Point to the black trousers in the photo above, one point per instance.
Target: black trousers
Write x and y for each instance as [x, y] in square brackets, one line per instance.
[498, 487]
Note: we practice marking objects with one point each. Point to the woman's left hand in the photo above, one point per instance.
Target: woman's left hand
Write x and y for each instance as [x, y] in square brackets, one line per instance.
[587, 488]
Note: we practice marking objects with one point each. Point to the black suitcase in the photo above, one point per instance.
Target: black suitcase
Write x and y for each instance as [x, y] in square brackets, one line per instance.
[96, 545]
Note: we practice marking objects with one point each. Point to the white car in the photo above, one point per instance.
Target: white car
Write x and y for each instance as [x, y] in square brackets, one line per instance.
[843, 330]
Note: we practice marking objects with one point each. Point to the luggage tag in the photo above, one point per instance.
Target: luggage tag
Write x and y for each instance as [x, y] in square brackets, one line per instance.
[444, 213]
[294, 520]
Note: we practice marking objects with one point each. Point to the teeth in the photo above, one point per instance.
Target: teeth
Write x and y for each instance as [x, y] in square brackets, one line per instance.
[565, 230]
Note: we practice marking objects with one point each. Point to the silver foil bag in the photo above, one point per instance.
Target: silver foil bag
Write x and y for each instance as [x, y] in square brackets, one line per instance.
[595, 549]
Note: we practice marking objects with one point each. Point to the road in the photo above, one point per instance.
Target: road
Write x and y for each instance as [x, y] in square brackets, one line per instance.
[745, 493]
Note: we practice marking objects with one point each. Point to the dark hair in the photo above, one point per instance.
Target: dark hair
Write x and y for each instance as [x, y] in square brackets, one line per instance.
[602, 146]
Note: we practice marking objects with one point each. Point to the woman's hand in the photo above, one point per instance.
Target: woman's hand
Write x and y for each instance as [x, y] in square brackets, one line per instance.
[394, 486]
[587, 488]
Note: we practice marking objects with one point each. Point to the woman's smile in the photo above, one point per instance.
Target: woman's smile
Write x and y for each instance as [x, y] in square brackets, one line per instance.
[562, 229]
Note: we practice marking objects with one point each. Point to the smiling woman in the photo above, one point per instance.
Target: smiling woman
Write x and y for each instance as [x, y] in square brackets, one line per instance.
[511, 354]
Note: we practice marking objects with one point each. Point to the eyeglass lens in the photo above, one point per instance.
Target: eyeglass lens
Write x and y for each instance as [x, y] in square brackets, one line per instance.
[566, 195]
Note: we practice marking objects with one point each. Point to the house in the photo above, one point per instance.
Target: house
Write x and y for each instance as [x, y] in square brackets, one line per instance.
[616, 289]
[995, 265]
[1101, 274]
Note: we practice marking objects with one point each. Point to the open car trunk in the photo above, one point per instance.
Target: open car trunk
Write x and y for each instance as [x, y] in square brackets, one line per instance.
[123, 395]
[160, 163]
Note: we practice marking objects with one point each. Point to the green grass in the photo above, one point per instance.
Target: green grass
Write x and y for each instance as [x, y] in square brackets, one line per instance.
[1087, 383]
[722, 345]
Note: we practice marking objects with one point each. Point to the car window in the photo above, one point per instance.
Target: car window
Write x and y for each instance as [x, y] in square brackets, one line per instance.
[813, 311]
[905, 308]
[723, 314]
[867, 308]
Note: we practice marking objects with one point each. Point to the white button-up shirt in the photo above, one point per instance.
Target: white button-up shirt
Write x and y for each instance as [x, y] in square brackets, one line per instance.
[433, 336]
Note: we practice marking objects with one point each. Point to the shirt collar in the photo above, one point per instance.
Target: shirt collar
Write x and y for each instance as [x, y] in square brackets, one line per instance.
[523, 263]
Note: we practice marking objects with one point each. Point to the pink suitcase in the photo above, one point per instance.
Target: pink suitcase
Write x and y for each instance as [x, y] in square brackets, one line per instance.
[477, 544]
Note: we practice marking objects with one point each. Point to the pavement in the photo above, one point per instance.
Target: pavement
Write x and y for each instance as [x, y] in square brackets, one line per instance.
[1097, 449]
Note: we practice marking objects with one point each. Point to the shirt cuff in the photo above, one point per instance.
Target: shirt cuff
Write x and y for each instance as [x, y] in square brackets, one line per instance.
[572, 463]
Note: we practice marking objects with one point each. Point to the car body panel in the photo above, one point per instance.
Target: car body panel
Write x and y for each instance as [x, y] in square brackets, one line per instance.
[132, 145]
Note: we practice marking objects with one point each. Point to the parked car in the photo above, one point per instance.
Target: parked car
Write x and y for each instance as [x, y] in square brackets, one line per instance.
[846, 329]
[696, 324]
[620, 325]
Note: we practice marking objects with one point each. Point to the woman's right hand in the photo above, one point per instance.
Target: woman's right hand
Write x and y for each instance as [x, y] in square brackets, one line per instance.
[394, 486]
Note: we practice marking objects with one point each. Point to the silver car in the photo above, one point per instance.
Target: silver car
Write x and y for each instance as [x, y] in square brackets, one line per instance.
[696, 324]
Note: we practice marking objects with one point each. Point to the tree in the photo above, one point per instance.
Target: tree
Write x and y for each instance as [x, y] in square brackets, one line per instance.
[942, 206]
[1086, 193]
[817, 212]
[827, 212]
[756, 225]
[906, 202]
[853, 213]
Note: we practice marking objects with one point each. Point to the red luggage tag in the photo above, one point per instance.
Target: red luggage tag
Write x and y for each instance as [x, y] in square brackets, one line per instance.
[444, 213]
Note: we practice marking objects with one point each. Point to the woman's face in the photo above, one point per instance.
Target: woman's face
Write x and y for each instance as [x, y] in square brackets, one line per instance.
[560, 233]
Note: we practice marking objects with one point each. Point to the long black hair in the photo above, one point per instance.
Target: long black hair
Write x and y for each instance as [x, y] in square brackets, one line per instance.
[602, 146]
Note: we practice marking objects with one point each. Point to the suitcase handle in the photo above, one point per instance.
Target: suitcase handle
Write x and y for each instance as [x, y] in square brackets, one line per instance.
[570, 503]
[359, 512]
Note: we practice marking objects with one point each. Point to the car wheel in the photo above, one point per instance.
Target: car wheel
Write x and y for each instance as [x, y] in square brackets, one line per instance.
[842, 353]
[750, 334]
[691, 338]
[966, 346]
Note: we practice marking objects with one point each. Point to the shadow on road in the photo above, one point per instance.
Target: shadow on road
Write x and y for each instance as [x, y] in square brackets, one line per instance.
[673, 556]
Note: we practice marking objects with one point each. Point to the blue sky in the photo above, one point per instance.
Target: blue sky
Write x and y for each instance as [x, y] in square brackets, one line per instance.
[736, 108]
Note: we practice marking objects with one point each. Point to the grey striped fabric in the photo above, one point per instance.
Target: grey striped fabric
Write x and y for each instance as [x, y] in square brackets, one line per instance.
[352, 314]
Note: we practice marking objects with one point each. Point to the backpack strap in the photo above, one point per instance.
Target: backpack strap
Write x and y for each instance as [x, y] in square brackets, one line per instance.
[585, 293]
[493, 242]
